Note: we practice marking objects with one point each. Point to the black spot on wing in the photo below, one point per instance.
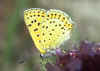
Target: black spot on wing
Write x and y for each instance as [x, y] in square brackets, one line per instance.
[30, 25]
[43, 34]
[38, 35]
[52, 29]
[50, 33]
[36, 29]
[31, 21]
[38, 23]
[35, 20]
[56, 25]
[46, 27]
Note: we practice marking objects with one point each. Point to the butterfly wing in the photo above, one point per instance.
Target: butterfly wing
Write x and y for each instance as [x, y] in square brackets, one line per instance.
[47, 29]
[34, 18]
[57, 29]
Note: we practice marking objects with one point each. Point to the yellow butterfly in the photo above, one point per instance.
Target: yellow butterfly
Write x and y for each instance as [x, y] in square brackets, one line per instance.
[48, 29]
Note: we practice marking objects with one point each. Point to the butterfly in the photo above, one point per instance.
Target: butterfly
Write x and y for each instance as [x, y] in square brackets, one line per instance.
[48, 28]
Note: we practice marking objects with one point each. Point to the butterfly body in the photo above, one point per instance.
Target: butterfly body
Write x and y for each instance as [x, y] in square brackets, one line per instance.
[48, 29]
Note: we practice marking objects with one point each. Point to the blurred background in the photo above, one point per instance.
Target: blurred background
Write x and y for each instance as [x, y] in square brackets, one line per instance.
[16, 47]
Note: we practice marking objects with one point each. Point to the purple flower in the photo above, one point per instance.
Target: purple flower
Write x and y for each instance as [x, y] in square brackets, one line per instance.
[86, 58]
